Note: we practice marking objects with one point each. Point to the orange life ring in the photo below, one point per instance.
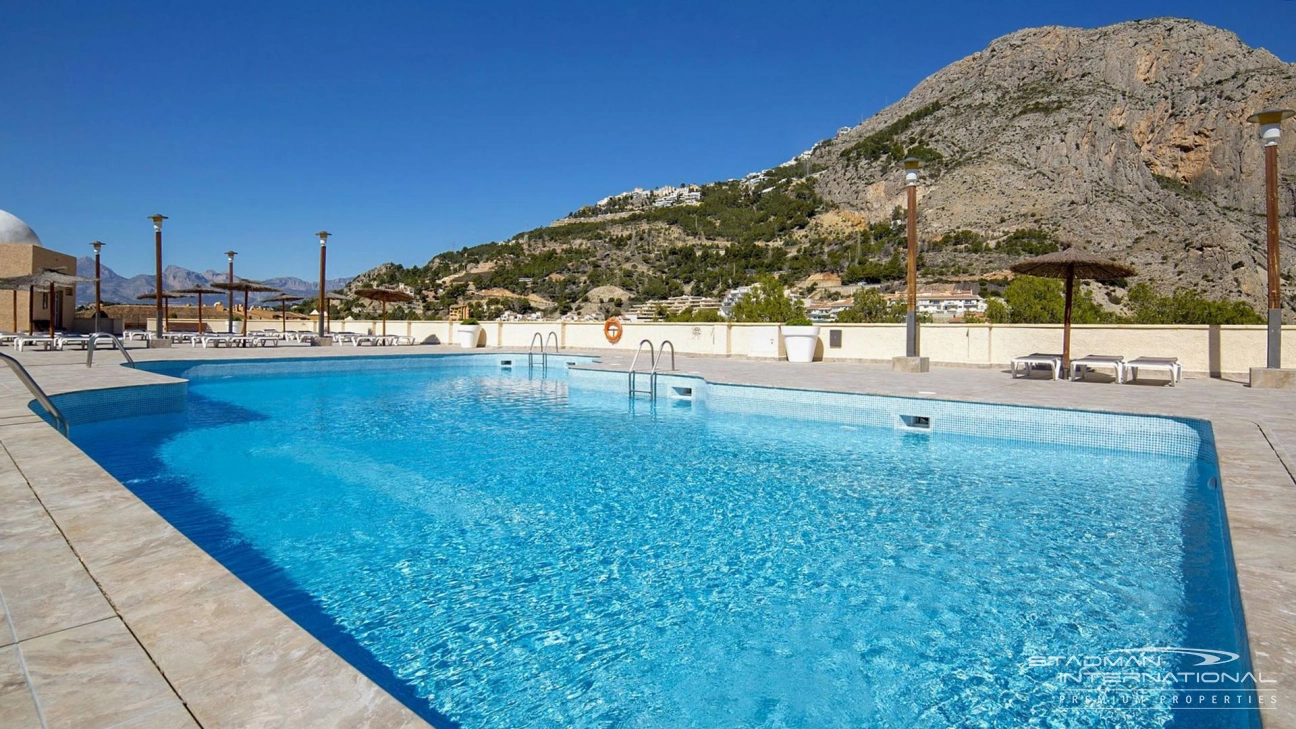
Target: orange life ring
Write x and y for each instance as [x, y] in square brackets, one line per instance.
[612, 330]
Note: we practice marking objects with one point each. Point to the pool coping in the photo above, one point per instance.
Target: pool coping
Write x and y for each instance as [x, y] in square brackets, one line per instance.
[134, 588]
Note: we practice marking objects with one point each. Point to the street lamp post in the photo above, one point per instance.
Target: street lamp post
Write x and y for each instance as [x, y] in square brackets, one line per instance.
[912, 361]
[1270, 121]
[323, 301]
[98, 300]
[911, 166]
[230, 255]
[157, 249]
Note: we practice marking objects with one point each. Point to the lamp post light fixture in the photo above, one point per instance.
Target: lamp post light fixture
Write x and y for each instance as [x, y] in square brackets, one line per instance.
[230, 279]
[97, 245]
[323, 301]
[1270, 121]
[911, 167]
[157, 249]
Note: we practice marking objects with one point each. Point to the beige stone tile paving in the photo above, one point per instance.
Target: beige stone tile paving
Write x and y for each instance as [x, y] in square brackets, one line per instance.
[17, 704]
[94, 676]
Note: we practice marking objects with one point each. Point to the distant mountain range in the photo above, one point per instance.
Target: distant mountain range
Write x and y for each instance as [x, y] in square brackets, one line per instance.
[119, 289]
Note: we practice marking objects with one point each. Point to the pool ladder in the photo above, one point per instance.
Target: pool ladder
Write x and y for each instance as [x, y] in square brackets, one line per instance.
[654, 359]
[60, 422]
[117, 344]
[544, 355]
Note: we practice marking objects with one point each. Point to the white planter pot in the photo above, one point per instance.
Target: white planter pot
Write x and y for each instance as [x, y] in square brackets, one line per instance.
[800, 343]
[467, 335]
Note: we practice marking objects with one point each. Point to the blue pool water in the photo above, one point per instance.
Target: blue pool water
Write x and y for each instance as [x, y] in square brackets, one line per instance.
[499, 551]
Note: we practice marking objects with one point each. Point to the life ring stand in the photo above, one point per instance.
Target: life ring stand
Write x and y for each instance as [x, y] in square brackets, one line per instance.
[613, 330]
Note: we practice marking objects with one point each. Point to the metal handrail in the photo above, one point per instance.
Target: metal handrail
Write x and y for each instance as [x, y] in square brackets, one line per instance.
[661, 352]
[60, 422]
[531, 353]
[652, 357]
[553, 334]
[632, 376]
[90, 348]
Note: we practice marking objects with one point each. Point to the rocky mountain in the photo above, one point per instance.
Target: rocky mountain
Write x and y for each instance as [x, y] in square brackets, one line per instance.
[1131, 139]
[117, 288]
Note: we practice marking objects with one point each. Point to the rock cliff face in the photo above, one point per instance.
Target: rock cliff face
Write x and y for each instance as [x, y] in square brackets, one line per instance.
[1130, 138]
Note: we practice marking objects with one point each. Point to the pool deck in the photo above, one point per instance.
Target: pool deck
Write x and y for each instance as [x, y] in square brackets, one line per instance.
[109, 617]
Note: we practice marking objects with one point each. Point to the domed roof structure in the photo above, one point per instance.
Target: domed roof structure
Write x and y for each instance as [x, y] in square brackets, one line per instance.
[14, 230]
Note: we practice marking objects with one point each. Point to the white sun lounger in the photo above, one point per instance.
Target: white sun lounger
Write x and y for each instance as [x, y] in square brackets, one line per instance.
[46, 343]
[1169, 365]
[402, 339]
[1094, 361]
[64, 341]
[1052, 361]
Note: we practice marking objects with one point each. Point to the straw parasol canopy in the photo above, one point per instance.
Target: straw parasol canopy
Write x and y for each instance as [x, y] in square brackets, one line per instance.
[166, 304]
[385, 296]
[330, 296]
[246, 286]
[282, 300]
[46, 278]
[1070, 264]
[198, 291]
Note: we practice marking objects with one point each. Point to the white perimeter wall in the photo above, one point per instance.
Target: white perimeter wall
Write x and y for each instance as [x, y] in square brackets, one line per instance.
[1202, 349]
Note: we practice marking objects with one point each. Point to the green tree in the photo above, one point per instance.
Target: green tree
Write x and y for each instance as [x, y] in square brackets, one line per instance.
[869, 307]
[767, 302]
[997, 311]
[1035, 300]
[1027, 242]
[1186, 306]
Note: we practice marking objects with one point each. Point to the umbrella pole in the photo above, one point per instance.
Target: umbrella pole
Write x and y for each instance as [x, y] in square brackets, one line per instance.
[200, 331]
[1066, 320]
[384, 304]
[283, 317]
[166, 315]
[51, 309]
[31, 310]
[15, 311]
[245, 311]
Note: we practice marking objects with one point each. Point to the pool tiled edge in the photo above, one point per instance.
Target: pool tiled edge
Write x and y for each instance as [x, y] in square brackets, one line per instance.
[190, 611]
[1188, 438]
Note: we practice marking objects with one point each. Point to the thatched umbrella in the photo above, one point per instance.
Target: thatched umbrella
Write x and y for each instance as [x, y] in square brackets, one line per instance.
[247, 287]
[323, 310]
[282, 300]
[198, 291]
[1070, 264]
[49, 277]
[385, 296]
[166, 305]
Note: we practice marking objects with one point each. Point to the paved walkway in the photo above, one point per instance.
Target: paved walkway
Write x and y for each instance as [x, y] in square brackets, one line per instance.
[111, 618]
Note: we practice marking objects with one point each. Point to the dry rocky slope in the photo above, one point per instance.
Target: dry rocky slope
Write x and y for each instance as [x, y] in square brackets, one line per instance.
[1068, 129]
[1130, 138]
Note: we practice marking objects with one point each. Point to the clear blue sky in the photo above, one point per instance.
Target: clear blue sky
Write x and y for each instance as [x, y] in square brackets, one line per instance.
[409, 128]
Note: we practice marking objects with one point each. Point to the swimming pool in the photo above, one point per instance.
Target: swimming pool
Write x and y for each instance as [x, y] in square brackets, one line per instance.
[499, 548]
